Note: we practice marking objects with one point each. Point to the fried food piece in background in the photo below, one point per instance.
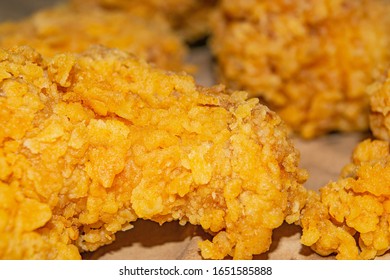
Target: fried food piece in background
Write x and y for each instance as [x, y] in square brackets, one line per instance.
[351, 217]
[189, 18]
[65, 29]
[380, 109]
[91, 142]
[311, 61]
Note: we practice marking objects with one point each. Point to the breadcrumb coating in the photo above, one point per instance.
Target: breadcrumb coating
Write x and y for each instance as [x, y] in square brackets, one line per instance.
[189, 18]
[351, 217]
[380, 109]
[311, 61]
[91, 142]
[65, 29]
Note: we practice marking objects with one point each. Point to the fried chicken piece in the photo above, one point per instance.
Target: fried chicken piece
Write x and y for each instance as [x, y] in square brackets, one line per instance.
[380, 109]
[351, 217]
[311, 61]
[189, 18]
[91, 142]
[65, 29]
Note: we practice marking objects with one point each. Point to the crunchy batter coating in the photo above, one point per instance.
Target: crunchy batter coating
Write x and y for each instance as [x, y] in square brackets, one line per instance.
[380, 109]
[91, 142]
[311, 61]
[189, 18]
[65, 29]
[351, 217]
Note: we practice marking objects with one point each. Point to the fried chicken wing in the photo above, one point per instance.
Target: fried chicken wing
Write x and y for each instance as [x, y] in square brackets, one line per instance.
[91, 142]
[351, 217]
[380, 109]
[311, 61]
[65, 29]
[189, 18]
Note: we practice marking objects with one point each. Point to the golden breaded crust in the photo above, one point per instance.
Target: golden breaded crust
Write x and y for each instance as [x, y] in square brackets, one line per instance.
[311, 61]
[351, 217]
[91, 142]
[189, 18]
[380, 109]
[65, 29]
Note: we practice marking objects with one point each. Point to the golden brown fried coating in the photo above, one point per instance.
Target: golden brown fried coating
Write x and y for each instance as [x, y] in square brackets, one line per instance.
[380, 109]
[189, 18]
[65, 29]
[311, 61]
[351, 217]
[91, 142]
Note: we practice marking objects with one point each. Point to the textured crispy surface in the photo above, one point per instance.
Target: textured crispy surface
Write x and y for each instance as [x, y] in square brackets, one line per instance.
[64, 28]
[91, 142]
[380, 109]
[351, 217]
[311, 61]
[189, 18]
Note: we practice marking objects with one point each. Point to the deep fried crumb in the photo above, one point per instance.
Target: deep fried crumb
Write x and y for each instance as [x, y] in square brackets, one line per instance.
[351, 217]
[91, 142]
[65, 29]
[311, 61]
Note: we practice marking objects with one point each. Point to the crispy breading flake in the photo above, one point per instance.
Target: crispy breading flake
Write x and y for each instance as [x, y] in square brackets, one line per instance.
[91, 142]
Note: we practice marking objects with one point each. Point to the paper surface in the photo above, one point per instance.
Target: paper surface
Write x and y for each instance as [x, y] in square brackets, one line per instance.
[323, 158]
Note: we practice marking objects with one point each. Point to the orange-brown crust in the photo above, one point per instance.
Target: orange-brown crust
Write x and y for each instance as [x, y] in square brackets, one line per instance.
[91, 142]
[351, 217]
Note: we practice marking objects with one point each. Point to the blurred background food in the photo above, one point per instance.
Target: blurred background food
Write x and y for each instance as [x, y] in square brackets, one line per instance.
[189, 18]
[309, 60]
[380, 108]
[65, 29]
